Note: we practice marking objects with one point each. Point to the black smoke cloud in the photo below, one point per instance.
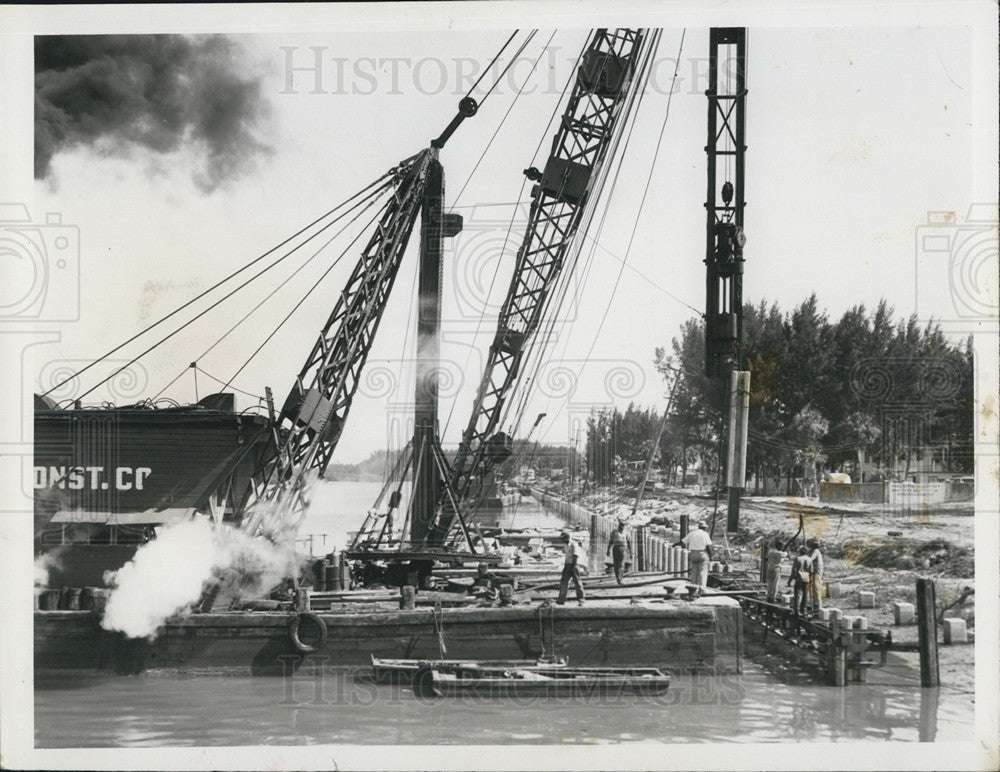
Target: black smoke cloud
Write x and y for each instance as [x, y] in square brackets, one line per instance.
[114, 93]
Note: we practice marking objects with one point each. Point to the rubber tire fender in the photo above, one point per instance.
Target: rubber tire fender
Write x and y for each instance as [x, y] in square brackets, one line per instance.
[293, 631]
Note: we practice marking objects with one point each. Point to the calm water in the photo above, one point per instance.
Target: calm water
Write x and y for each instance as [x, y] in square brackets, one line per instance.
[340, 507]
[98, 711]
[771, 701]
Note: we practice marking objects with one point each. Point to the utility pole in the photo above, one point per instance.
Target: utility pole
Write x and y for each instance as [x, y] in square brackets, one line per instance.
[724, 237]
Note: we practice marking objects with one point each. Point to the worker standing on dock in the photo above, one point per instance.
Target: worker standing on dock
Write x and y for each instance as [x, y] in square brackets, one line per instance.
[618, 547]
[801, 572]
[772, 571]
[816, 577]
[699, 547]
[570, 571]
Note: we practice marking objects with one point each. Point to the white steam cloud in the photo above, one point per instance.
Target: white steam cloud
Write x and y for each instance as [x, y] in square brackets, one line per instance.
[169, 574]
[44, 564]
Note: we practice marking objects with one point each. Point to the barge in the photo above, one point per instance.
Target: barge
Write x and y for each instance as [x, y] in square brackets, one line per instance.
[676, 636]
[106, 478]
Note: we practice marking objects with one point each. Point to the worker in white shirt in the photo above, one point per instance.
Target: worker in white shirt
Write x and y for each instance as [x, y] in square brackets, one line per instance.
[699, 547]
[618, 547]
[570, 571]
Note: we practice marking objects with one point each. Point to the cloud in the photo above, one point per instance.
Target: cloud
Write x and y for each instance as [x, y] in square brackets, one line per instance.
[161, 93]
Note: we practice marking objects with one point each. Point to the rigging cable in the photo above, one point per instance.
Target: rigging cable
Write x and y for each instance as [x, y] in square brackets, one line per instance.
[641, 205]
[253, 310]
[219, 380]
[490, 65]
[510, 226]
[642, 202]
[502, 120]
[221, 300]
[378, 215]
[629, 113]
[510, 64]
[221, 282]
[539, 343]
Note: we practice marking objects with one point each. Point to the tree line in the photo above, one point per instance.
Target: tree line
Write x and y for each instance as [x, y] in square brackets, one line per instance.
[865, 394]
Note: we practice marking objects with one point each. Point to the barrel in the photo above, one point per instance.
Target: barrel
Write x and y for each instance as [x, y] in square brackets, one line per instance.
[99, 598]
[345, 574]
[70, 599]
[86, 599]
[320, 568]
[333, 582]
[48, 600]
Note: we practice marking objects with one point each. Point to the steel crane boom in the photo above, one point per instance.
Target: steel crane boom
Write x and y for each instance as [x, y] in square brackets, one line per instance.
[603, 82]
[307, 429]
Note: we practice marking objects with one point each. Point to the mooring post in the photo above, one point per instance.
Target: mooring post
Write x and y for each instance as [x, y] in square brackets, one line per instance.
[927, 632]
[927, 720]
[836, 656]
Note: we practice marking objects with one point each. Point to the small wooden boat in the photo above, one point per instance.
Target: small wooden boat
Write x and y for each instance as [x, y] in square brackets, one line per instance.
[405, 669]
[541, 682]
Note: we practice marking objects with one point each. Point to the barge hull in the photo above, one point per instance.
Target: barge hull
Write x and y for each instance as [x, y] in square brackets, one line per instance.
[673, 636]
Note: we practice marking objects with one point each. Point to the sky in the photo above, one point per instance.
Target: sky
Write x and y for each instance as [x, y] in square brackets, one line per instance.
[854, 133]
[863, 117]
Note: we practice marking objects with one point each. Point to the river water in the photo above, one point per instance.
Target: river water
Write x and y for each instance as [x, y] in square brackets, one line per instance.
[771, 701]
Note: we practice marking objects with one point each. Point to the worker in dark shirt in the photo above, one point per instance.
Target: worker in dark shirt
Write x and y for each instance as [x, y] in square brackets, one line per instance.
[484, 580]
[801, 572]
[816, 585]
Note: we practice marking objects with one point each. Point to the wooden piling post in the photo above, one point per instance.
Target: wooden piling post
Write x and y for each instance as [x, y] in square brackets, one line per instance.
[640, 548]
[407, 597]
[685, 525]
[927, 632]
[836, 656]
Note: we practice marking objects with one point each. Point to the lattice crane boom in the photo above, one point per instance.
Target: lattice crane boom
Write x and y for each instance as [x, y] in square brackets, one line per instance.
[310, 423]
[603, 82]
